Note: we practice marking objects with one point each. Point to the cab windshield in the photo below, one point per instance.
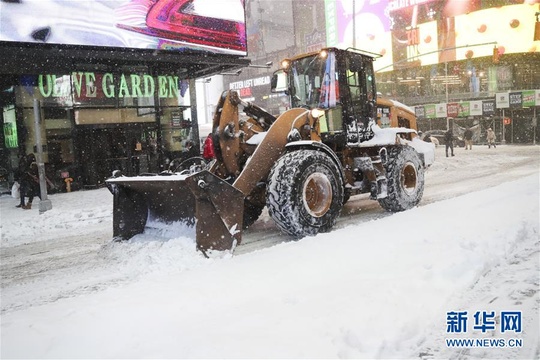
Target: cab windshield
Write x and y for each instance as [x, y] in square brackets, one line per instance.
[313, 81]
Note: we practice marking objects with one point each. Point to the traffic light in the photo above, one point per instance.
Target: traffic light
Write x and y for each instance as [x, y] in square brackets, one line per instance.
[495, 55]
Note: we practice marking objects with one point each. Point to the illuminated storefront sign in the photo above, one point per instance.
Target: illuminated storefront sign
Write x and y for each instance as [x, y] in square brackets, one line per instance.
[332, 35]
[10, 128]
[245, 87]
[107, 85]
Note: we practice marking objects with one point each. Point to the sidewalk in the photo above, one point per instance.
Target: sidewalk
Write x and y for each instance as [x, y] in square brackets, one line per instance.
[74, 211]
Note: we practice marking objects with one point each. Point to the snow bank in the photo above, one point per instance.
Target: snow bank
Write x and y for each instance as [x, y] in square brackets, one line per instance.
[376, 290]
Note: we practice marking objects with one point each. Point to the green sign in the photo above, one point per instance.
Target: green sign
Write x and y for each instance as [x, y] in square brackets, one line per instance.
[430, 111]
[528, 98]
[464, 109]
[10, 128]
[107, 85]
[331, 23]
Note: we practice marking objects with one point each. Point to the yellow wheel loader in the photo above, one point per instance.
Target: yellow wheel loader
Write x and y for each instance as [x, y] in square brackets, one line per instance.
[338, 139]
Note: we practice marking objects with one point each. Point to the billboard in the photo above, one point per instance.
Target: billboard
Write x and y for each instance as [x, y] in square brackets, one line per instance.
[176, 25]
[426, 32]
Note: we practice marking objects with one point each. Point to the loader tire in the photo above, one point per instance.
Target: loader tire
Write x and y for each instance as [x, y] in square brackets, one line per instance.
[405, 176]
[305, 193]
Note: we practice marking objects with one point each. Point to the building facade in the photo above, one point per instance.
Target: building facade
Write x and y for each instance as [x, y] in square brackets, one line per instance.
[452, 60]
[113, 91]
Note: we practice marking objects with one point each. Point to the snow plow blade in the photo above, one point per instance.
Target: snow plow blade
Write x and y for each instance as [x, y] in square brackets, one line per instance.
[219, 212]
[203, 200]
[141, 198]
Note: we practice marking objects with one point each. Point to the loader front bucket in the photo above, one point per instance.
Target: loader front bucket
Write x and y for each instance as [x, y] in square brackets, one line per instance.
[161, 198]
[219, 212]
[202, 199]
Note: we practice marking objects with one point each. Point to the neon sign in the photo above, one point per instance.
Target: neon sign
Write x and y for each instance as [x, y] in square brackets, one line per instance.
[92, 85]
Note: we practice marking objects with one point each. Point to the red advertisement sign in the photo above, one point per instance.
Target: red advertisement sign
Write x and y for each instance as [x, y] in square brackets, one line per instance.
[452, 109]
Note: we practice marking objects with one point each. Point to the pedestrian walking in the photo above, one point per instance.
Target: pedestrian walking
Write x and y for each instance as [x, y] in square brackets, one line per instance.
[449, 141]
[468, 135]
[490, 136]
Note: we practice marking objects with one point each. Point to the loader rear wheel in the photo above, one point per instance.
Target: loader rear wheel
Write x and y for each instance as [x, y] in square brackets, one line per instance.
[405, 174]
[305, 193]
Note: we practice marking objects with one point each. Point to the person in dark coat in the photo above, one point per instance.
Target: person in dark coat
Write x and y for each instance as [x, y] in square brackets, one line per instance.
[468, 135]
[449, 141]
[31, 180]
[22, 178]
[426, 137]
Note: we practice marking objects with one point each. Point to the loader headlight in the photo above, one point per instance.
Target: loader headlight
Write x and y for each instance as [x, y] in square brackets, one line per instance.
[317, 113]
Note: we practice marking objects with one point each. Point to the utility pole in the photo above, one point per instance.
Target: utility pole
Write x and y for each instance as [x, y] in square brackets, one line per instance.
[535, 124]
[446, 79]
[45, 204]
[194, 116]
[503, 141]
[354, 23]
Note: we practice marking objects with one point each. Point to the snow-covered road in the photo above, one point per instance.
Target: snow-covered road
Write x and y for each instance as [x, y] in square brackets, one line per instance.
[59, 263]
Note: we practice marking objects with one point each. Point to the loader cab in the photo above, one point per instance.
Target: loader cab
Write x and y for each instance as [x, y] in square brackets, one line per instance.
[340, 82]
[359, 92]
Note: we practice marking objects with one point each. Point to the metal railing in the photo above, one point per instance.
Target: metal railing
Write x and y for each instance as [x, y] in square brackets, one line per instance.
[413, 100]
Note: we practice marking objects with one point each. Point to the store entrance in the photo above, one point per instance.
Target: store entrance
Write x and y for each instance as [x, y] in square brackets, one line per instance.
[130, 149]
